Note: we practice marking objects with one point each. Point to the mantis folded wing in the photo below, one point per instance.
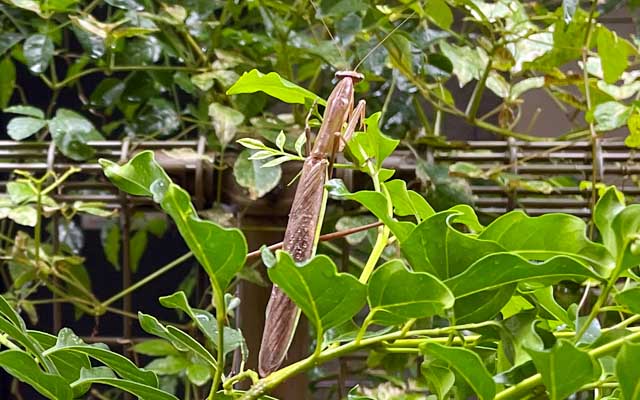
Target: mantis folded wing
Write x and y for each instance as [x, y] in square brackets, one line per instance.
[305, 217]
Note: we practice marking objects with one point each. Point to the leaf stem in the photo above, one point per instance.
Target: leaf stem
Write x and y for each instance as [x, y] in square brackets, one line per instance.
[147, 279]
[221, 313]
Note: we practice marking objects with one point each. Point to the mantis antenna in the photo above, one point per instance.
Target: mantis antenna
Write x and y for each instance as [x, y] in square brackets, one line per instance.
[373, 49]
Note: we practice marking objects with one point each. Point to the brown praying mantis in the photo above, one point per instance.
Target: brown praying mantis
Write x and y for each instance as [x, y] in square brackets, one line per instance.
[307, 209]
[305, 217]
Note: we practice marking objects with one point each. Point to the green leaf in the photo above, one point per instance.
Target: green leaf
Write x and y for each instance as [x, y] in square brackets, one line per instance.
[630, 298]
[482, 306]
[254, 175]
[110, 237]
[519, 335]
[273, 85]
[38, 51]
[500, 269]
[375, 202]
[24, 368]
[138, 244]
[169, 365]
[138, 389]
[467, 63]
[68, 364]
[24, 215]
[7, 311]
[440, 13]
[396, 294]
[7, 81]
[525, 85]
[71, 132]
[198, 374]
[225, 122]
[96, 208]
[626, 225]
[179, 339]
[372, 143]
[610, 204]
[140, 176]
[436, 247]
[20, 128]
[627, 370]
[613, 54]
[543, 237]
[565, 369]
[633, 124]
[155, 347]
[68, 341]
[204, 320]
[8, 40]
[467, 364]
[611, 115]
[220, 251]
[408, 202]
[326, 297]
[547, 302]
[439, 376]
[29, 111]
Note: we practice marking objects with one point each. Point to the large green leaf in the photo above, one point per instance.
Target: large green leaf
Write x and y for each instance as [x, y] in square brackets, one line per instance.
[71, 132]
[543, 237]
[501, 269]
[24, 368]
[565, 369]
[396, 294]
[220, 251]
[273, 85]
[326, 297]
[142, 391]
[608, 206]
[205, 321]
[467, 364]
[627, 370]
[435, 246]
[69, 341]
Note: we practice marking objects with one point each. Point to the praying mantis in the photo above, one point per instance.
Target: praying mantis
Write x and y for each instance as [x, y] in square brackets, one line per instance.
[305, 217]
[307, 210]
